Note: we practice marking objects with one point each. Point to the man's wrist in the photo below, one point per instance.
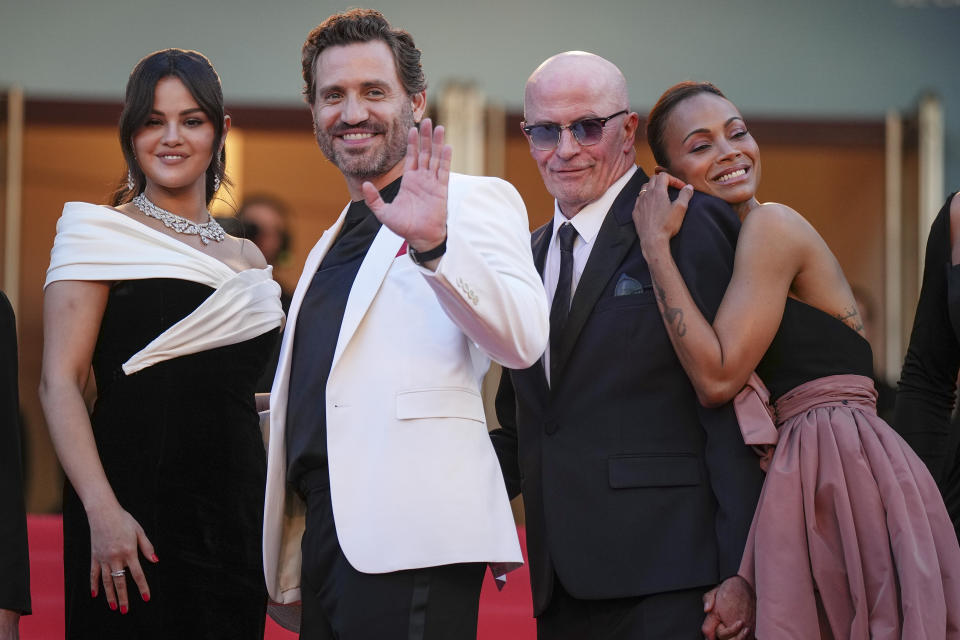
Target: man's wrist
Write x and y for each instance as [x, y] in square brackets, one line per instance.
[423, 257]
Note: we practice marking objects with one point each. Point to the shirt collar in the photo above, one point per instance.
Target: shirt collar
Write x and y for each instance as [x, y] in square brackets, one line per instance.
[588, 220]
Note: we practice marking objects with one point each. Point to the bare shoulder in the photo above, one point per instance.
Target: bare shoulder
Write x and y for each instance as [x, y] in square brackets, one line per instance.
[128, 209]
[251, 253]
[774, 213]
[773, 218]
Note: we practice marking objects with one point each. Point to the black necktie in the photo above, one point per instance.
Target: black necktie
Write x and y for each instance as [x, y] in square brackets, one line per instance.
[561, 298]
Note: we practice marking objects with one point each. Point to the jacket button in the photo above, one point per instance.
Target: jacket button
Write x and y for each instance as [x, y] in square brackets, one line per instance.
[551, 427]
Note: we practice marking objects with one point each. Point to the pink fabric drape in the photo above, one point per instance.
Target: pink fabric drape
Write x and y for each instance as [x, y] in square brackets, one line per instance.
[850, 538]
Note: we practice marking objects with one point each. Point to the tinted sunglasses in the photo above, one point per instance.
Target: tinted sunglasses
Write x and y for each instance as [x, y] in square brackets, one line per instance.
[587, 131]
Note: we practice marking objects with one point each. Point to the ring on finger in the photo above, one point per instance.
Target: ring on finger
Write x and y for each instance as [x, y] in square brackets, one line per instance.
[119, 573]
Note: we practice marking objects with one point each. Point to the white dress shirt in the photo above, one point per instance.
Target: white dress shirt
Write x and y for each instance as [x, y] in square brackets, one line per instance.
[587, 222]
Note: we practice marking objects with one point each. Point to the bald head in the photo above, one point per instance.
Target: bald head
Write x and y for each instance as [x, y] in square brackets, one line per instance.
[579, 70]
[568, 88]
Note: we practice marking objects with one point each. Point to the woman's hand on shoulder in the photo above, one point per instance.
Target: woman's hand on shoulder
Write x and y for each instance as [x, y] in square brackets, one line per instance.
[655, 217]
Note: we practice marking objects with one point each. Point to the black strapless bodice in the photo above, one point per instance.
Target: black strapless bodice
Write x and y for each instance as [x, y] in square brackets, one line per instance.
[811, 344]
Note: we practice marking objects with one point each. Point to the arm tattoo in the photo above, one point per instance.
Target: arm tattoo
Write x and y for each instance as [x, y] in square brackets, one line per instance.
[671, 313]
[851, 317]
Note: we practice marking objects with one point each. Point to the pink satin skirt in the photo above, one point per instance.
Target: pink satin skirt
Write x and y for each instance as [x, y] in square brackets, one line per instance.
[851, 539]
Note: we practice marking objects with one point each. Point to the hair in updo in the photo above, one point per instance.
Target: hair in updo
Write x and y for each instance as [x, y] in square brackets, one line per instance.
[657, 120]
[201, 80]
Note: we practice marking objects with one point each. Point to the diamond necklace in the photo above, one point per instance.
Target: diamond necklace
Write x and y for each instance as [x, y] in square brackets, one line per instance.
[207, 231]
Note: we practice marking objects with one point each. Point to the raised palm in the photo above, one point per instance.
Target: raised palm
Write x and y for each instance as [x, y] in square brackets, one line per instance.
[418, 213]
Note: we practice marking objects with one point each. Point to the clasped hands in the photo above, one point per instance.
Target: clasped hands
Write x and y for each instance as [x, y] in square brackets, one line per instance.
[730, 609]
[418, 213]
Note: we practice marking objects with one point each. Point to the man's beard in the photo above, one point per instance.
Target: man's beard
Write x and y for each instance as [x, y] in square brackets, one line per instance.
[376, 161]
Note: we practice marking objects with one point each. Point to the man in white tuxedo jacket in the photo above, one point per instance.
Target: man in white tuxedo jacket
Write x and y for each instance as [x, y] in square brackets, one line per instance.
[377, 424]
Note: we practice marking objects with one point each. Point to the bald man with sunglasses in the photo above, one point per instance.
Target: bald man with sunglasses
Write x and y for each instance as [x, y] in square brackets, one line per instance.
[638, 499]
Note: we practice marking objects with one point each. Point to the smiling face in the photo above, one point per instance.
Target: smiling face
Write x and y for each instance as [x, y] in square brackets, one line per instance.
[175, 145]
[361, 112]
[708, 145]
[571, 87]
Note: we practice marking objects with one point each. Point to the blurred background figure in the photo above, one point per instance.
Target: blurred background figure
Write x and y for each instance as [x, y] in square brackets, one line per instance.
[14, 564]
[263, 219]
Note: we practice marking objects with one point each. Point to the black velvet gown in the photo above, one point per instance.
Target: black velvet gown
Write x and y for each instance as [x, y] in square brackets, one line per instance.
[182, 450]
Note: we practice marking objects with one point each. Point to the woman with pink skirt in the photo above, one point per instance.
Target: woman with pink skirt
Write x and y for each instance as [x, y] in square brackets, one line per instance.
[850, 538]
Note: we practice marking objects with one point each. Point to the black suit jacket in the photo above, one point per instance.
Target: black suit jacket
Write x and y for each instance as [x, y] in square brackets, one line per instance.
[14, 561]
[630, 486]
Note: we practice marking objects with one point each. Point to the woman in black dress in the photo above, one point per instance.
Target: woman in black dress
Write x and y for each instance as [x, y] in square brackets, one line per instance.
[14, 561]
[928, 383]
[164, 495]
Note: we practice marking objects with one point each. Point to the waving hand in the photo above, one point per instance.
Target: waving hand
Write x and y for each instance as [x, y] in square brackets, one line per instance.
[419, 211]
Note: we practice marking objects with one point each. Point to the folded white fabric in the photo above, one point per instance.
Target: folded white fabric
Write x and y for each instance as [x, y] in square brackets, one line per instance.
[98, 243]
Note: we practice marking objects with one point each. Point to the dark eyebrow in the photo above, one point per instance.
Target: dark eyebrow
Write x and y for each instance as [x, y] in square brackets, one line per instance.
[182, 113]
[557, 124]
[701, 130]
[369, 84]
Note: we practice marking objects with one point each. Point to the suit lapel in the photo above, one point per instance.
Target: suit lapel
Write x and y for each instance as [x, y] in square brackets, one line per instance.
[372, 271]
[614, 240]
[539, 243]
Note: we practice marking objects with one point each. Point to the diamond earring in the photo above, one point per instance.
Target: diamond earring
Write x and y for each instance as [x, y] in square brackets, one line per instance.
[130, 183]
[216, 183]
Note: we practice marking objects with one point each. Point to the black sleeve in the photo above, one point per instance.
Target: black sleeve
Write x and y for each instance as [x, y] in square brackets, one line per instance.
[505, 438]
[14, 560]
[925, 393]
[704, 252]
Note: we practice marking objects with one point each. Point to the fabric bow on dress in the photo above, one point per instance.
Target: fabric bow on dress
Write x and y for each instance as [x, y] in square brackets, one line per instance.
[757, 419]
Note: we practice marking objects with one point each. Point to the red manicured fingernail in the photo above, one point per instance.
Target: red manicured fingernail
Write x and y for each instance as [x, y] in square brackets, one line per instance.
[123, 609]
[155, 558]
[93, 593]
[113, 606]
[146, 597]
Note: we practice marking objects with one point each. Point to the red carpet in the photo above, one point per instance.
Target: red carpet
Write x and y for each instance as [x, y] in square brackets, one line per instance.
[504, 615]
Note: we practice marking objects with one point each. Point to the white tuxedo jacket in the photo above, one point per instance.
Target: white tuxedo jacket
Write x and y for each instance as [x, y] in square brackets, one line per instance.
[414, 479]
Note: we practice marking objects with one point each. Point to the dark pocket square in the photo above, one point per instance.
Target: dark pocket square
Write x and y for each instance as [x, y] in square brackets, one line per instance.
[627, 286]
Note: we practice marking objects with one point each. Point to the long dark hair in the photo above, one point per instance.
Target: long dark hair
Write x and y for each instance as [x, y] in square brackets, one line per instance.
[201, 79]
[657, 120]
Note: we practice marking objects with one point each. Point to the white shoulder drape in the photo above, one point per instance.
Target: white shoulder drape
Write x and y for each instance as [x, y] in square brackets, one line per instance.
[97, 243]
